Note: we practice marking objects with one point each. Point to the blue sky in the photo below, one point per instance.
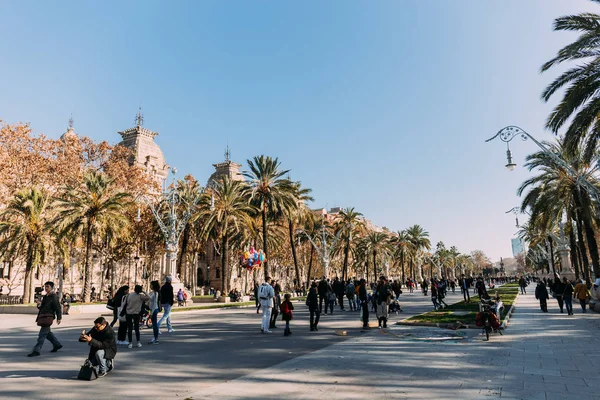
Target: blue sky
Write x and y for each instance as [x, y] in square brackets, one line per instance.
[383, 106]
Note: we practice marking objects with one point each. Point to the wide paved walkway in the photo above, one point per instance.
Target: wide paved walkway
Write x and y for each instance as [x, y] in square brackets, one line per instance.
[541, 356]
[221, 354]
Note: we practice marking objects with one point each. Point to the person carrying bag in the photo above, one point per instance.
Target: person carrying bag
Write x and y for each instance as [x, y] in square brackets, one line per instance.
[49, 308]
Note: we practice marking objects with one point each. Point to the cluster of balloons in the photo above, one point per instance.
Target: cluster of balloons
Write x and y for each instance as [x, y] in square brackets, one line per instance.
[252, 259]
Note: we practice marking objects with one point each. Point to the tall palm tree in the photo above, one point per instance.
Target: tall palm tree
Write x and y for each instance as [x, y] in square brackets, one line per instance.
[188, 190]
[419, 240]
[347, 223]
[580, 102]
[231, 211]
[84, 208]
[270, 193]
[553, 193]
[401, 243]
[295, 213]
[26, 227]
[379, 245]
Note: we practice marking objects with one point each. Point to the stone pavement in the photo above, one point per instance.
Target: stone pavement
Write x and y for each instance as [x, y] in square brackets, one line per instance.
[541, 356]
[221, 354]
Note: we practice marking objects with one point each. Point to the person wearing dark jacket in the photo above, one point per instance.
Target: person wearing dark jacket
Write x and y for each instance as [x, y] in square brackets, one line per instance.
[166, 300]
[322, 290]
[339, 289]
[103, 347]
[364, 302]
[48, 306]
[568, 296]
[276, 307]
[559, 290]
[541, 293]
[312, 302]
[117, 302]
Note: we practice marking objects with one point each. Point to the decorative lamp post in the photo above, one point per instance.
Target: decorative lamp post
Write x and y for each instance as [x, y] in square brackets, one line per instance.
[172, 225]
[137, 261]
[325, 249]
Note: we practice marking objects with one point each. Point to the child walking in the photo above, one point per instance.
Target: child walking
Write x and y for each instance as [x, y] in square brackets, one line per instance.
[286, 313]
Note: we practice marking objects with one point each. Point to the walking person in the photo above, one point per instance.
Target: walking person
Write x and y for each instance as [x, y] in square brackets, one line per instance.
[568, 295]
[276, 307]
[434, 297]
[286, 313]
[523, 285]
[339, 290]
[312, 302]
[330, 299]
[351, 295]
[265, 295]
[117, 302]
[541, 293]
[559, 290]
[441, 295]
[134, 306]
[322, 290]
[582, 294]
[166, 300]
[364, 303]
[383, 293]
[154, 305]
[48, 310]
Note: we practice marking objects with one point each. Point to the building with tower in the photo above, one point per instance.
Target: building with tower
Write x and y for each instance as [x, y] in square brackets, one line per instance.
[146, 153]
[209, 265]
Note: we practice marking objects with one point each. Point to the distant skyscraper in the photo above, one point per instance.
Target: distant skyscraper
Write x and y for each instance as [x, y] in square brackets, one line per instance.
[517, 246]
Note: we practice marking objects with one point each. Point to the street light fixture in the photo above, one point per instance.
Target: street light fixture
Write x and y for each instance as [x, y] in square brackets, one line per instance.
[507, 134]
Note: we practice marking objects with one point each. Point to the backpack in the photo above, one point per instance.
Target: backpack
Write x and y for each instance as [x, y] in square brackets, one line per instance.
[263, 292]
[285, 308]
[349, 291]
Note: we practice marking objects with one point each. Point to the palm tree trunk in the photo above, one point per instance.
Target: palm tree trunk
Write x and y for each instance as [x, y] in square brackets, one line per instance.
[264, 230]
[374, 265]
[291, 227]
[367, 267]
[402, 266]
[28, 284]
[346, 251]
[112, 278]
[184, 245]
[224, 268]
[310, 263]
[573, 252]
[87, 272]
[591, 238]
[582, 250]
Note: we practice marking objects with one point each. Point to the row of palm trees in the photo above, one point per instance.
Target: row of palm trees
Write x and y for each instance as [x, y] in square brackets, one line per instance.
[555, 196]
[266, 210]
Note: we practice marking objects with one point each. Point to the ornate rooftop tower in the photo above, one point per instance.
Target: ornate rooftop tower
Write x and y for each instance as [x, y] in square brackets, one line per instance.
[226, 167]
[147, 154]
[70, 133]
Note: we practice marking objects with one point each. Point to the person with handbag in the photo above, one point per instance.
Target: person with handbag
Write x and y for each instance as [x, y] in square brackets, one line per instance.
[558, 289]
[49, 309]
[154, 305]
[133, 308]
[115, 302]
[122, 316]
[103, 348]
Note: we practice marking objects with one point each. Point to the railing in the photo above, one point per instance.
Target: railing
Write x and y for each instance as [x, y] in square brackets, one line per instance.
[5, 299]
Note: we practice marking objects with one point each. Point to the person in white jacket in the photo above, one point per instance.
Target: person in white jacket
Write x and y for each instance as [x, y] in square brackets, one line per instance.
[265, 296]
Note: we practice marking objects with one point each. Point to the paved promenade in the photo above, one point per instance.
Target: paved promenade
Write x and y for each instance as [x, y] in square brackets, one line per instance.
[221, 354]
[541, 356]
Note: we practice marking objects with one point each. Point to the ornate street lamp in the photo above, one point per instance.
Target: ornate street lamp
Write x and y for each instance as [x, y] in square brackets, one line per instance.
[325, 249]
[172, 225]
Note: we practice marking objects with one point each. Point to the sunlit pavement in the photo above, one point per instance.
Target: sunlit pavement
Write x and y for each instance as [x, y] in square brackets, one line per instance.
[222, 354]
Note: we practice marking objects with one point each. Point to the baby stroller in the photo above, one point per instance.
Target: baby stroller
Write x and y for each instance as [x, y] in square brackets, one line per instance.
[395, 307]
[145, 316]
